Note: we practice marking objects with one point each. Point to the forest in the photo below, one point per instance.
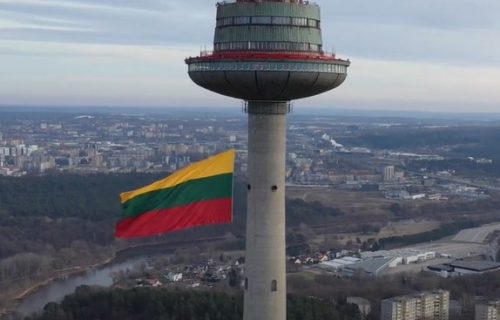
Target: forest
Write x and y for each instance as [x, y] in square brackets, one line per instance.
[58, 210]
[51, 223]
[149, 304]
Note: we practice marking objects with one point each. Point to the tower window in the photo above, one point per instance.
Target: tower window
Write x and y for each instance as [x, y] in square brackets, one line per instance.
[282, 20]
[274, 188]
[242, 20]
[261, 20]
[274, 286]
[246, 283]
[299, 21]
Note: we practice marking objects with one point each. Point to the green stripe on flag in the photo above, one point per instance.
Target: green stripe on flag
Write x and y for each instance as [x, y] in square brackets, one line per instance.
[211, 188]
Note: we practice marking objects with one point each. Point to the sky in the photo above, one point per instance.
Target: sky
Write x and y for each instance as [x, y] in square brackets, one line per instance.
[412, 55]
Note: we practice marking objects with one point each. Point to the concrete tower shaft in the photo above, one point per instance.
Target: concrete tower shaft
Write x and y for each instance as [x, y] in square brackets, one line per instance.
[267, 53]
[265, 266]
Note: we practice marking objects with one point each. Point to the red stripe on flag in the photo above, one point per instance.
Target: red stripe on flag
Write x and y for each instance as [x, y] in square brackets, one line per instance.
[167, 220]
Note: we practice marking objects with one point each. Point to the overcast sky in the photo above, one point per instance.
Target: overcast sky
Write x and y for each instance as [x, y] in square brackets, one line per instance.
[431, 55]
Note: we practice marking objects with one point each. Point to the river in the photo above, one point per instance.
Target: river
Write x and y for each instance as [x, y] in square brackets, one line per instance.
[57, 290]
[102, 276]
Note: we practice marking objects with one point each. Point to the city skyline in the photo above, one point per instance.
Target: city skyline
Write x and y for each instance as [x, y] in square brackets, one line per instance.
[110, 53]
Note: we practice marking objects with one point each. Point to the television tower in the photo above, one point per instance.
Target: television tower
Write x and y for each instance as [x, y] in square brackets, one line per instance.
[267, 53]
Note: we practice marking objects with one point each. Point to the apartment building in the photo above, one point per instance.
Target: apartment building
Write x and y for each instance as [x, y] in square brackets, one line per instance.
[431, 305]
[489, 310]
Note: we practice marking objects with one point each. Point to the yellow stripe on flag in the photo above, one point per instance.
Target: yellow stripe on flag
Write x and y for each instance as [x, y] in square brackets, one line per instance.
[221, 163]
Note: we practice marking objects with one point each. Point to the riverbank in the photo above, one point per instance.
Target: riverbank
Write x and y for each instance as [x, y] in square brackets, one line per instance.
[65, 273]
[118, 256]
[68, 272]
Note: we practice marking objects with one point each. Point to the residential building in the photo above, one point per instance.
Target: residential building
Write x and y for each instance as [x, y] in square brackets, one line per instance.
[489, 310]
[389, 173]
[431, 305]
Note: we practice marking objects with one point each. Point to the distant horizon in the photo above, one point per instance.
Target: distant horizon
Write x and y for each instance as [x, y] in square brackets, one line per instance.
[302, 110]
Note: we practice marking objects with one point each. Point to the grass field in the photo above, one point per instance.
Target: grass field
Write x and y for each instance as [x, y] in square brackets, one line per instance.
[353, 203]
[360, 208]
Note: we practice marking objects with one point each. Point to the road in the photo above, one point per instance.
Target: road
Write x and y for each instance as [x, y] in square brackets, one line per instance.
[455, 180]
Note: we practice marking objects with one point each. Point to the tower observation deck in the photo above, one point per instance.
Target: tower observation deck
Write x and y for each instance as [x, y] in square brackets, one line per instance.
[268, 50]
[267, 53]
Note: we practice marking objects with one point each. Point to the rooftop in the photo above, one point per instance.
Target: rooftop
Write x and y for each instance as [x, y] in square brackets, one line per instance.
[417, 295]
[483, 265]
[372, 266]
[441, 267]
[257, 1]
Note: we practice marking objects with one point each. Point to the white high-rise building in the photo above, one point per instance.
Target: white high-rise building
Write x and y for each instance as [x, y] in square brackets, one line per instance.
[432, 305]
[487, 311]
[389, 173]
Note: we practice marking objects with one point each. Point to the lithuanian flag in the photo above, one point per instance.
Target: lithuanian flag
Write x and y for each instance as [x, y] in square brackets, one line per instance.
[200, 194]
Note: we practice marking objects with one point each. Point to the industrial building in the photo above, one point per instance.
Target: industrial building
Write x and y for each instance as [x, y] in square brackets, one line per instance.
[369, 268]
[431, 305]
[461, 268]
[452, 259]
[338, 264]
[489, 310]
[402, 256]
[267, 52]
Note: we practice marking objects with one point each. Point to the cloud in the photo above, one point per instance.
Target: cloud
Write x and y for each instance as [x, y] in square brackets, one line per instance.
[434, 14]
[405, 54]
[446, 31]
[82, 5]
[121, 22]
[94, 75]
[400, 85]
